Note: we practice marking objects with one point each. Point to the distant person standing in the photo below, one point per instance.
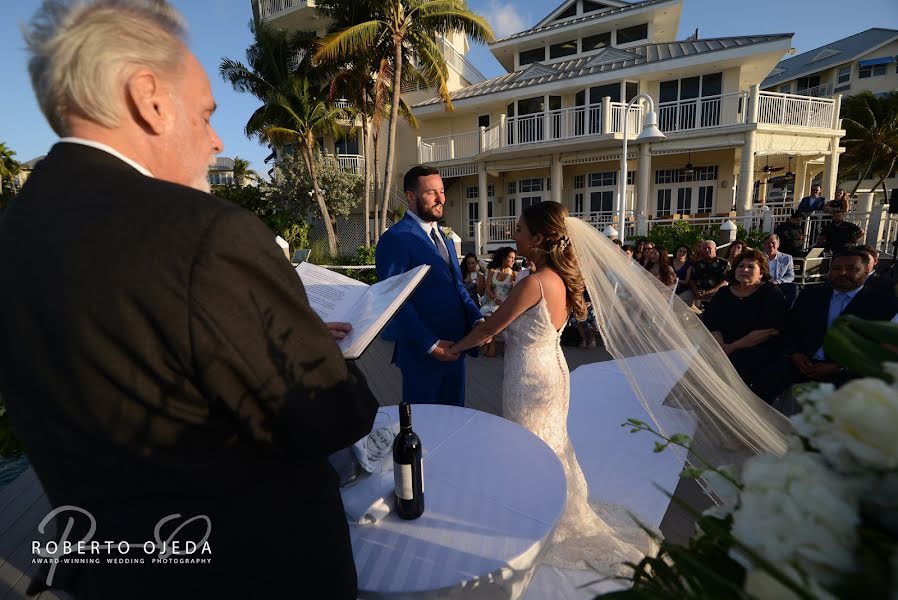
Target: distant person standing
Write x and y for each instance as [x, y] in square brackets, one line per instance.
[840, 202]
[839, 234]
[813, 203]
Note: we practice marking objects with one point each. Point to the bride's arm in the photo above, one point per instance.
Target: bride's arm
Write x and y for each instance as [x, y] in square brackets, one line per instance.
[523, 296]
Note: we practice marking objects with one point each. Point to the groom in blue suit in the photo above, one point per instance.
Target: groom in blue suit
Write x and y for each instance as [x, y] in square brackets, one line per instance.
[441, 310]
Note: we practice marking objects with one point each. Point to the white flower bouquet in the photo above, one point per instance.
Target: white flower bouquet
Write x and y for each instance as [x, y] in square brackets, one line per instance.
[820, 521]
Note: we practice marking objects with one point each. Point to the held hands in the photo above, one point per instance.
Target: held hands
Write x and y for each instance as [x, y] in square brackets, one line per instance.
[339, 330]
[444, 352]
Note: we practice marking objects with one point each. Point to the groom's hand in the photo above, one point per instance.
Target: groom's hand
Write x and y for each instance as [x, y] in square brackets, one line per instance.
[441, 352]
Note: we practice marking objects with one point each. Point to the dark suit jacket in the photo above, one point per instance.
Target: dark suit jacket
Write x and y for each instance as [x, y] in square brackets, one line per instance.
[807, 319]
[159, 356]
[441, 307]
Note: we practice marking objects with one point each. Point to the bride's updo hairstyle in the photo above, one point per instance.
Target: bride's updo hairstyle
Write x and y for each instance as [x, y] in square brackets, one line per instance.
[548, 218]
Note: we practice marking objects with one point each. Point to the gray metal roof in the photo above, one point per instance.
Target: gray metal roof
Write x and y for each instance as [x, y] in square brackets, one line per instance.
[583, 19]
[832, 54]
[606, 60]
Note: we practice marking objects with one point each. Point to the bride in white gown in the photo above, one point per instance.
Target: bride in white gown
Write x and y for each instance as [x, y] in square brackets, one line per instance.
[636, 317]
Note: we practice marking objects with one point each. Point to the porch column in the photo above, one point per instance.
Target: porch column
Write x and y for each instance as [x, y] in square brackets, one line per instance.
[643, 182]
[420, 150]
[482, 207]
[556, 178]
[831, 169]
[801, 180]
[762, 190]
[746, 174]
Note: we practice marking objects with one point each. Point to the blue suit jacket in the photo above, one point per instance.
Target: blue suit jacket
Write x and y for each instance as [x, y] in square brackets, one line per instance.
[440, 309]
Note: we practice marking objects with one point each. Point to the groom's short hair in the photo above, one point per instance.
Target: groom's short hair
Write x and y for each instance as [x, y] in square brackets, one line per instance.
[410, 181]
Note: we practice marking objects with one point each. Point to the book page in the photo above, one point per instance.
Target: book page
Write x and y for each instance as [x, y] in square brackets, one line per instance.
[331, 295]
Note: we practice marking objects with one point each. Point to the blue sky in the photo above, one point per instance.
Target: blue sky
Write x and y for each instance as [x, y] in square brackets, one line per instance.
[219, 29]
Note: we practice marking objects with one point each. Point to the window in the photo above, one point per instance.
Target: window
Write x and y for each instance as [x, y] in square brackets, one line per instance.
[602, 179]
[684, 201]
[512, 187]
[663, 207]
[530, 185]
[786, 88]
[706, 198]
[806, 83]
[594, 42]
[531, 56]
[601, 201]
[579, 181]
[589, 6]
[844, 74]
[871, 71]
[632, 34]
[578, 203]
[472, 192]
[483, 121]
[663, 176]
[570, 11]
[563, 49]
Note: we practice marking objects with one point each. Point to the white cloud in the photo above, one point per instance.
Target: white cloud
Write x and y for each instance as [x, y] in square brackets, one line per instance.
[504, 18]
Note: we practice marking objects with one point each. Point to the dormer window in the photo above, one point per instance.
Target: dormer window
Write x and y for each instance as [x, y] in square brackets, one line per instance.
[597, 42]
[632, 34]
[563, 49]
[570, 11]
[589, 6]
[531, 56]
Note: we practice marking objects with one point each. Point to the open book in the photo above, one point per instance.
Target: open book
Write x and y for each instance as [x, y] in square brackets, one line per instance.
[368, 308]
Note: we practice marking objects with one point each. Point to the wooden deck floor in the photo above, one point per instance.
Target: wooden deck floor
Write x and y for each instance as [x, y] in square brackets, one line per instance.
[23, 502]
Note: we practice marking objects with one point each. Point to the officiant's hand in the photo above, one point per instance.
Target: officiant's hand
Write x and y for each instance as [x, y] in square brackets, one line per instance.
[442, 353]
[339, 330]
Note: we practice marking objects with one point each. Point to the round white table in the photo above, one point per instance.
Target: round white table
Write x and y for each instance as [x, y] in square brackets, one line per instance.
[493, 493]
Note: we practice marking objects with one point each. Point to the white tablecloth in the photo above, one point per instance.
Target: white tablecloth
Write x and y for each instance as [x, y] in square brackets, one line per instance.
[493, 493]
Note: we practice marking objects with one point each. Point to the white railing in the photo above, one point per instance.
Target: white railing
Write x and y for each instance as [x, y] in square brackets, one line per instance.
[352, 163]
[268, 8]
[500, 229]
[450, 147]
[634, 122]
[558, 124]
[701, 113]
[888, 233]
[457, 61]
[705, 224]
[492, 137]
[820, 91]
[342, 103]
[795, 110]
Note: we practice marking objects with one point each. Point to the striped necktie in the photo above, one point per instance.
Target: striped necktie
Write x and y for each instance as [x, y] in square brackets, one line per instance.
[440, 246]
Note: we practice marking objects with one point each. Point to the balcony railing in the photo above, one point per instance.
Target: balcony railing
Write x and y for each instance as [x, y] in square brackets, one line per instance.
[268, 8]
[704, 112]
[819, 91]
[607, 118]
[350, 163]
[795, 110]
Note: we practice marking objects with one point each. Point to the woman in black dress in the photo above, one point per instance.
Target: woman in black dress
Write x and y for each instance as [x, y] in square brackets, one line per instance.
[472, 277]
[747, 316]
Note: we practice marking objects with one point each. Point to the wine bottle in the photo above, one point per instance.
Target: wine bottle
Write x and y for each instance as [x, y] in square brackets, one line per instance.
[408, 467]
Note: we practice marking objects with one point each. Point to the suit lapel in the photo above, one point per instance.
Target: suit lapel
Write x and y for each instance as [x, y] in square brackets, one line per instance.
[419, 231]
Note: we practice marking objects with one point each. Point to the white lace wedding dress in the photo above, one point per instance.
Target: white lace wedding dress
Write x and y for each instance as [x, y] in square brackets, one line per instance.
[536, 394]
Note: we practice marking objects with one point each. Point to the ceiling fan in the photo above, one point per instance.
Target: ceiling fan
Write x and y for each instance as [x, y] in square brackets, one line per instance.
[689, 169]
[787, 176]
[767, 169]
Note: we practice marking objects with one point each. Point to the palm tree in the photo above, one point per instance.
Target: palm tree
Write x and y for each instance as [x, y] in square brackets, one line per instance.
[294, 107]
[409, 29]
[242, 172]
[871, 135]
[9, 166]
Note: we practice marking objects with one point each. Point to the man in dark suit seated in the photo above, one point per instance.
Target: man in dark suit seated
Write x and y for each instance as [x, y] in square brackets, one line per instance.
[813, 314]
[171, 363]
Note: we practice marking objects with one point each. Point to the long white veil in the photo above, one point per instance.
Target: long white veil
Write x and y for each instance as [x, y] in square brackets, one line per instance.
[639, 316]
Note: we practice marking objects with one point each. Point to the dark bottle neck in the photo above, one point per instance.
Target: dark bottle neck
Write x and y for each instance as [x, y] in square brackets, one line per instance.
[405, 416]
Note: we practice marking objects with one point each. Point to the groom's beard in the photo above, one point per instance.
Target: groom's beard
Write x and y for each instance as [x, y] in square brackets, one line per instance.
[428, 215]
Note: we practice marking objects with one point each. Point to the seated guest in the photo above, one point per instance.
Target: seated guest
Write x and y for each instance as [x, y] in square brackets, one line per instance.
[791, 234]
[708, 275]
[473, 279]
[646, 249]
[747, 317]
[638, 250]
[838, 234]
[733, 251]
[681, 263]
[814, 312]
[628, 250]
[658, 264]
[782, 269]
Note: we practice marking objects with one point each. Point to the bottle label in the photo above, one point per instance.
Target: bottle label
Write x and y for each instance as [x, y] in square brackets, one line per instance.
[402, 479]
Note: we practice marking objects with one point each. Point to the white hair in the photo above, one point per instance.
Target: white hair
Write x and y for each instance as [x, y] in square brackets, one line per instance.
[82, 52]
